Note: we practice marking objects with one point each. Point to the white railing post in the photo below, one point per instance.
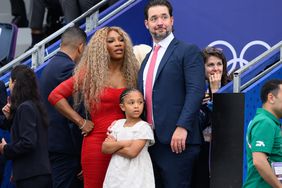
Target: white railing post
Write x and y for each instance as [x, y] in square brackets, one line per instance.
[37, 53]
[92, 21]
[37, 57]
[237, 74]
[236, 82]
[280, 52]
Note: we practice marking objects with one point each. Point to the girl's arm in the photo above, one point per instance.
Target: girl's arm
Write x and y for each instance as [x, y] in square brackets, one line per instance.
[131, 151]
[110, 145]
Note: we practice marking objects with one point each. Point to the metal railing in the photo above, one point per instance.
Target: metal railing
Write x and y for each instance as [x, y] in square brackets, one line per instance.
[237, 87]
[37, 53]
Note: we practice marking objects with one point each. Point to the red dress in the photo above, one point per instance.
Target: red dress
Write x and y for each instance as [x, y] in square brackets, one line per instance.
[94, 162]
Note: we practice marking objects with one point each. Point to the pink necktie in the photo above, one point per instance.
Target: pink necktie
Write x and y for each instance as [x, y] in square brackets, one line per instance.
[149, 85]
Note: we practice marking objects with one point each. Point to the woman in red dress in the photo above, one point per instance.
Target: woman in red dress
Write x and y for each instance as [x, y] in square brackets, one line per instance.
[107, 67]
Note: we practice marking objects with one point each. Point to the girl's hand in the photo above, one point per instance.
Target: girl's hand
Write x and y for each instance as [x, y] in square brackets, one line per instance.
[110, 138]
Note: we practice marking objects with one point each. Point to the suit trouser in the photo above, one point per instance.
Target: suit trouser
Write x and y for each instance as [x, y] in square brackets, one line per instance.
[42, 181]
[173, 170]
[38, 12]
[18, 8]
[65, 168]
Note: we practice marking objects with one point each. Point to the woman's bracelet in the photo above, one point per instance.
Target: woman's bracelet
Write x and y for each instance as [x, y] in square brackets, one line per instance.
[84, 123]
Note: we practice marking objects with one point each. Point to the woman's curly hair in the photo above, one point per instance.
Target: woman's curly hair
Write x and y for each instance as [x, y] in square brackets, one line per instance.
[92, 73]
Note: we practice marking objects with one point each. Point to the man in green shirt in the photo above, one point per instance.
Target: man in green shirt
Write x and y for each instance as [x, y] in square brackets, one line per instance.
[264, 139]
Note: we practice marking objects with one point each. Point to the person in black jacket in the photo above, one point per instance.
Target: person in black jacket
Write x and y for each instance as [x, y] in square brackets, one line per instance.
[64, 137]
[27, 120]
[3, 101]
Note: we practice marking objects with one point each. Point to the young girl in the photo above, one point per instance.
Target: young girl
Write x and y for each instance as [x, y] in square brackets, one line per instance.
[128, 141]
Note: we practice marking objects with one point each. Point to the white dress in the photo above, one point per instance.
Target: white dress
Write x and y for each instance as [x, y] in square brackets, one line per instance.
[137, 172]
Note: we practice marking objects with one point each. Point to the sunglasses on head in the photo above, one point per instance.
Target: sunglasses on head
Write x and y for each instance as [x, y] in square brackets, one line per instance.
[213, 50]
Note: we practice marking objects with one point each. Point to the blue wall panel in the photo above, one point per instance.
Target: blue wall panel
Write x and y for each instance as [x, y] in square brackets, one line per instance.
[247, 27]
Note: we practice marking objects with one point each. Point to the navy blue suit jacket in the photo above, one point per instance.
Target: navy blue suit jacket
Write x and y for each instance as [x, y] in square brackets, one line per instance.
[29, 139]
[64, 136]
[177, 92]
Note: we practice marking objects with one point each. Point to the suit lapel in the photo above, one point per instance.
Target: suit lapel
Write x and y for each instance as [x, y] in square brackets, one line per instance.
[166, 56]
[141, 72]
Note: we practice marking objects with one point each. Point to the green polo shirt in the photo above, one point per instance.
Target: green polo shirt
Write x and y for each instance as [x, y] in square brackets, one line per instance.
[263, 135]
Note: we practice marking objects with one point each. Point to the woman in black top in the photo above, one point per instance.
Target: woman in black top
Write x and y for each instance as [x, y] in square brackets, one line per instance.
[28, 125]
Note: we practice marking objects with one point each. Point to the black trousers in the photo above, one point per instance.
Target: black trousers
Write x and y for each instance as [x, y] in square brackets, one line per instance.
[18, 8]
[65, 168]
[42, 181]
[173, 170]
[201, 174]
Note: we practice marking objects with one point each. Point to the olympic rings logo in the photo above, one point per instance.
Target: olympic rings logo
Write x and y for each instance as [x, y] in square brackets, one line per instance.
[238, 60]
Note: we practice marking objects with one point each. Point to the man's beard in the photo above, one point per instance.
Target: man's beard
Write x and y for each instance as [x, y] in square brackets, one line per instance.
[161, 36]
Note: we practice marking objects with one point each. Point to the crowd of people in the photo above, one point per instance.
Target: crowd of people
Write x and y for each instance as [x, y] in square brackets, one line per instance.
[59, 12]
[111, 121]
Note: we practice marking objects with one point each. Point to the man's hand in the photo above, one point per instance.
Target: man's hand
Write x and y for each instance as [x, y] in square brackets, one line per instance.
[2, 144]
[178, 140]
[80, 175]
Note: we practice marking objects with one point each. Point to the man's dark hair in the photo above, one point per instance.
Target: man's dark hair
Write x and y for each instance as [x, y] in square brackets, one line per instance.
[271, 86]
[73, 36]
[153, 3]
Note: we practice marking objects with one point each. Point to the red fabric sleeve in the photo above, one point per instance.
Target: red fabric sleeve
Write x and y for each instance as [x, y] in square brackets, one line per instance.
[63, 90]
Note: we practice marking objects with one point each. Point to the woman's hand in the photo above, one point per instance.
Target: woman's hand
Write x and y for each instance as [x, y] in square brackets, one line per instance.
[87, 127]
[6, 110]
[215, 82]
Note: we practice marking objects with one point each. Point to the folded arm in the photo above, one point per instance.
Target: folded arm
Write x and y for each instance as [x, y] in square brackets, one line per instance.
[110, 145]
[126, 148]
[131, 151]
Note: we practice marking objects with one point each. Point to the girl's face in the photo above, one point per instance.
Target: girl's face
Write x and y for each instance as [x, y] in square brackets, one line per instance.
[11, 85]
[115, 45]
[133, 105]
[213, 66]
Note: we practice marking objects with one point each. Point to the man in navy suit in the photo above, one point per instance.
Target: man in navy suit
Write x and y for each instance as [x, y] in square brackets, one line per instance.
[176, 95]
[64, 138]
